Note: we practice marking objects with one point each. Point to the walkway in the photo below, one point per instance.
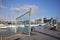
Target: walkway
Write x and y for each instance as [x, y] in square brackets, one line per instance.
[37, 35]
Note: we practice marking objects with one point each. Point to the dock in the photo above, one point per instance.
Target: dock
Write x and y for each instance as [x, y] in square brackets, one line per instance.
[43, 34]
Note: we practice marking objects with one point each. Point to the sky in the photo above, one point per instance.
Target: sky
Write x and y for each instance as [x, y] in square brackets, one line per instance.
[10, 9]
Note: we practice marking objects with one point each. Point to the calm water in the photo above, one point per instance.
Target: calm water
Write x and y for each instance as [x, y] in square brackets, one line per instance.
[22, 30]
[7, 32]
[37, 28]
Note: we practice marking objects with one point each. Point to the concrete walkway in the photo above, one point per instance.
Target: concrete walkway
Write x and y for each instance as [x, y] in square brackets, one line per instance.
[37, 35]
[50, 33]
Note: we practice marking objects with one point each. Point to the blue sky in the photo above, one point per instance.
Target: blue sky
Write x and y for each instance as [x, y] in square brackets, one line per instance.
[40, 8]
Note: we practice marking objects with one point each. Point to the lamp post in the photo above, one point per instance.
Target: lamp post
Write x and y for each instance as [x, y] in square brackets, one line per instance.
[30, 12]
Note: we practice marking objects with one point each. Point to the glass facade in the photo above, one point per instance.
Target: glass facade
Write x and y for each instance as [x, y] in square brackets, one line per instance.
[22, 24]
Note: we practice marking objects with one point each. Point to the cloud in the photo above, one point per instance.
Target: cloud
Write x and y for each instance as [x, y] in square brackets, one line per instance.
[2, 18]
[14, 9]
[18, 11]
[1, 6]
[25, 8]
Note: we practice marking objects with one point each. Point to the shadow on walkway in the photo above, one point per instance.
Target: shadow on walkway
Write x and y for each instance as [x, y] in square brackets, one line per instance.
[32, 34]
[48, 35]
[17, 39]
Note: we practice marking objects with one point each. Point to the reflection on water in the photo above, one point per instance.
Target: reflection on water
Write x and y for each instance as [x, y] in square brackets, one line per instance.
[11, 30]
[37, 28]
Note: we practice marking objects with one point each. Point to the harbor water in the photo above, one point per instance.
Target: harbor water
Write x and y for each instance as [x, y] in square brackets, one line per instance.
[11, 30]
